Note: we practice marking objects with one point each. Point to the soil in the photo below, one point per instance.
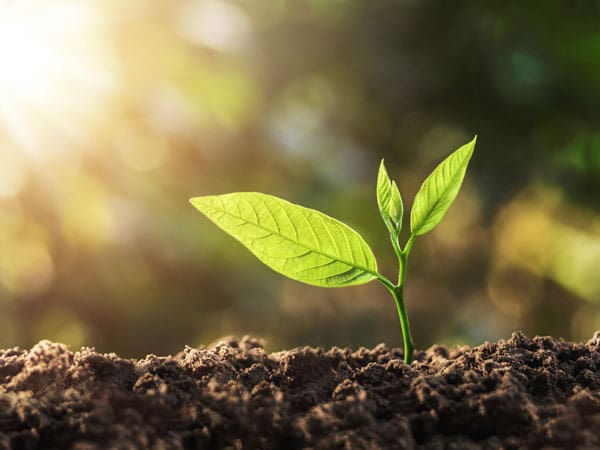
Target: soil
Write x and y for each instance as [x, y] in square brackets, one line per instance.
[518, 393]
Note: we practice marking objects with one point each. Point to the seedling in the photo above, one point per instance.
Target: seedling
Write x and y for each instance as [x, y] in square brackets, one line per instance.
[309, 246]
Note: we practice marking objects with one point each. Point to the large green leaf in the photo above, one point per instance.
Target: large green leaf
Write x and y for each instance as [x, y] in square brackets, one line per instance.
[439, 190]
[300, 243]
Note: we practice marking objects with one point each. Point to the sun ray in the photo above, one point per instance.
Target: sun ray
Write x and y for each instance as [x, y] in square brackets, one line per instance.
[55, 73]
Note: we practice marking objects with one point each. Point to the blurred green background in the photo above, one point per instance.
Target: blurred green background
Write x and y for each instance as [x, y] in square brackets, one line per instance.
[114, 113]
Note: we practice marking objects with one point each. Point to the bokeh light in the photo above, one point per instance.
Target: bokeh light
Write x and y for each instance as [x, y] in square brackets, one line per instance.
[54, 78]
[114, 113]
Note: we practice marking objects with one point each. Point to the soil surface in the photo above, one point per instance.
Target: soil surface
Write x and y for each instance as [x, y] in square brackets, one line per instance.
[518, 393]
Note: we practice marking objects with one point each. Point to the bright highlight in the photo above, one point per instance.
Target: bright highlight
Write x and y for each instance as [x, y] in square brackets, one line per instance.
[53, 74]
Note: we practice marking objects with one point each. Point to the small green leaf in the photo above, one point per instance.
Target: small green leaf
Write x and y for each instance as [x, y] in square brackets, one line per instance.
[389, 200]
[439, 190]
[396, 207]
[384, 193]
[300, 243]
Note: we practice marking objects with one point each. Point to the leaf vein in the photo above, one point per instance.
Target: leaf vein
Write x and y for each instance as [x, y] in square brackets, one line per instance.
[319, 251]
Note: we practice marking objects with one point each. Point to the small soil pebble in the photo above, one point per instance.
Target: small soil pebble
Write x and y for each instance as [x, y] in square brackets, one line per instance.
[514, 394]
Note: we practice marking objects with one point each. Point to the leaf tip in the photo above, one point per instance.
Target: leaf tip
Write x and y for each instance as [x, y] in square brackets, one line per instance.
[472, 143]
[198, 202]
[468, 149]
[382, 170]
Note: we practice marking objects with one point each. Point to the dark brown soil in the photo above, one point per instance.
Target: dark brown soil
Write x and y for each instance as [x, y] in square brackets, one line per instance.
[519, 393]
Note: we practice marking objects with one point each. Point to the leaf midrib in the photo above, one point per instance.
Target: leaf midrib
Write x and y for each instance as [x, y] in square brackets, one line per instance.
[364, 269]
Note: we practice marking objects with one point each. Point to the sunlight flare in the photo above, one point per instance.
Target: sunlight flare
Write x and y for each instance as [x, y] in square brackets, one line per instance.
[55, 75]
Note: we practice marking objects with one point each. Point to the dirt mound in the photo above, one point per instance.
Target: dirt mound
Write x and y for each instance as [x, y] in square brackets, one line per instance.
[519, 393]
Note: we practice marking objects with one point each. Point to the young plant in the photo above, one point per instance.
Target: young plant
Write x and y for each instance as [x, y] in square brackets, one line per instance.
[309, 246]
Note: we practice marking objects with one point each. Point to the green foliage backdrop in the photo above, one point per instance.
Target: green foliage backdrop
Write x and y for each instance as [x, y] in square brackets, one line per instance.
[301, 99]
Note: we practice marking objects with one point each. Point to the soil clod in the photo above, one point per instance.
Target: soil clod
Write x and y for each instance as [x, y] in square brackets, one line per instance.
[516, 393]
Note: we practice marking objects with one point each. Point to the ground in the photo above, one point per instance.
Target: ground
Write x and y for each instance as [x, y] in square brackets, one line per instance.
[518, 393]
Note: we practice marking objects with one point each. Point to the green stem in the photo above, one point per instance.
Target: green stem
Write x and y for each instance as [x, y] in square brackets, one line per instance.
[398, 295]
[395, 243]
[397, 249]
[397, 291]
[409, 346]
[386, 282]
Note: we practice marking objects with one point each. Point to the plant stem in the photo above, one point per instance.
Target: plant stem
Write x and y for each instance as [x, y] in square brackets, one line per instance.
[398, 294]
[397, 291]
[400, 303]
[395, 243]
